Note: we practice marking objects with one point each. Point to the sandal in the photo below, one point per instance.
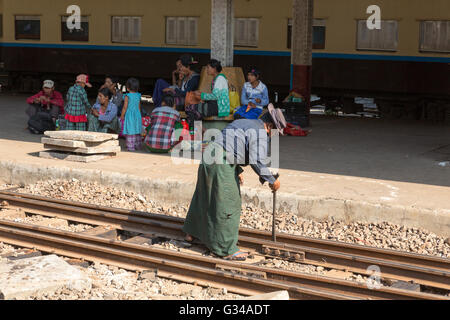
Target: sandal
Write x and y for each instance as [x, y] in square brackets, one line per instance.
[238, 256]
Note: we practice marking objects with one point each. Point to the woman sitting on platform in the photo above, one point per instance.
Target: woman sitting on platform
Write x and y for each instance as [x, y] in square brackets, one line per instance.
[161, 84]
[212, 104]
[190, 82]
[254, 97]
[103, 117]
[112, 83]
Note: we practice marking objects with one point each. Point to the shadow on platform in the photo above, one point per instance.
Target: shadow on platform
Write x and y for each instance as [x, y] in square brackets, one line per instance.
[361, 147]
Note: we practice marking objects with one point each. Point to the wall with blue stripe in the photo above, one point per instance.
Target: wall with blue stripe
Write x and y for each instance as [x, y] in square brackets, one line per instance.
[316, 55]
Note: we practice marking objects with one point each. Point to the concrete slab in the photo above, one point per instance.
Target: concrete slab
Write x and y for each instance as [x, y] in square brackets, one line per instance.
[79, 144]
[23, 278]
[278, 295]
[89, 151]
[81, 136]
[366, 170]
[61, 155]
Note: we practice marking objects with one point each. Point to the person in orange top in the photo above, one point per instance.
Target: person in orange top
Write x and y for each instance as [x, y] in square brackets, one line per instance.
[47, 100]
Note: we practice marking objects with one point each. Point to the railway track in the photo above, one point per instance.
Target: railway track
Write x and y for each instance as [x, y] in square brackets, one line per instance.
[237, 277]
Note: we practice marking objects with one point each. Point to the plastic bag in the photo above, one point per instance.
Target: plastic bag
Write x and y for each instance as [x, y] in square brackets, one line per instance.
[296, 131]
[235, 100]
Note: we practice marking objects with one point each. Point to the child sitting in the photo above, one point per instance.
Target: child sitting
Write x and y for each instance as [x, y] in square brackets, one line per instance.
[131, 116]
[163, 120]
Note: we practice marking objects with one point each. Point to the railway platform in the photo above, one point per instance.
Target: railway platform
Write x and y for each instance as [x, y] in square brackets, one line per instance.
[367, 170]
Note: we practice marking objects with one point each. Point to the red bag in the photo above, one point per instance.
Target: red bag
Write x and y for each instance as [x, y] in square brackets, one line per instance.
[295, 131]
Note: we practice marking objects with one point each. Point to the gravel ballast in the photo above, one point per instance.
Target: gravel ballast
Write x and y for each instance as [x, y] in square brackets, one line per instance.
[382, 235]
[112, 283]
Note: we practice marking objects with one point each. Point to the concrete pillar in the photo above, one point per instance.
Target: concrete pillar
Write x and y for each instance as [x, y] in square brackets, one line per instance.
[222, 31]
[301, 57]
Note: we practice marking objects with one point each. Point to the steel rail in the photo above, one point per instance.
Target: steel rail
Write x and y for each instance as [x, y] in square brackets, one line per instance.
[237, 277]
[395, 265]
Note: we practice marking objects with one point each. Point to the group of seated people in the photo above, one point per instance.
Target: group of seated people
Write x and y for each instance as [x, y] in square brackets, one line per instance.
[114, 112]
[185, 80]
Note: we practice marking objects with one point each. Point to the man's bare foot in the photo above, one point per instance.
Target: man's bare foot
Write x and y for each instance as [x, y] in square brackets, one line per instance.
[188, 238]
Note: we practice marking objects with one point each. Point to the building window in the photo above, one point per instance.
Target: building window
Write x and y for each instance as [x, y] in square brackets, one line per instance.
[81, 34]
[28, 27]
[435, 36]
[182, 30]
[319, 32]
[246, 32]
[126, 29]
[384, 39]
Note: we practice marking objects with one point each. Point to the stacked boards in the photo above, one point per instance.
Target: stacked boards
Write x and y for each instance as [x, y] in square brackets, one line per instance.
[79, 146]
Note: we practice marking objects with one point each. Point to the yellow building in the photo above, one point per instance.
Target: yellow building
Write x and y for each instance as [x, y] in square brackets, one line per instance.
[339, 18]
[410, 54]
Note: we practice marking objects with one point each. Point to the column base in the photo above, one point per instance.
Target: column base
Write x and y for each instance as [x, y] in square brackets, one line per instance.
[301, 79]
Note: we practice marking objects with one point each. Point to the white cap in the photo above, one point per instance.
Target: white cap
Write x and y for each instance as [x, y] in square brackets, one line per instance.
[49, 84]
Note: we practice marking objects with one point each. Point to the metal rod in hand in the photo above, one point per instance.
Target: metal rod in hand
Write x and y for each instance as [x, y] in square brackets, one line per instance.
[274, 230]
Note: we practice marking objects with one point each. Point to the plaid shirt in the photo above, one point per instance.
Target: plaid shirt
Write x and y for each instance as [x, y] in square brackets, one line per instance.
[163, 121]
[77, 101]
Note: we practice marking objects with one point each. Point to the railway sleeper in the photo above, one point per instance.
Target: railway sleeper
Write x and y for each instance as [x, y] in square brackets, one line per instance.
[242, 271]
[284, 253]
[169, 265]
